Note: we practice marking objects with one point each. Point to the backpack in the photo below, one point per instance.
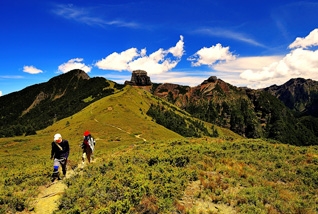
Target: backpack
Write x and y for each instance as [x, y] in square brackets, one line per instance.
[91, 143]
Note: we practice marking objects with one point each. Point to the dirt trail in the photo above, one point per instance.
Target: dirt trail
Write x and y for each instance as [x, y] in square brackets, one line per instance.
[48, 199]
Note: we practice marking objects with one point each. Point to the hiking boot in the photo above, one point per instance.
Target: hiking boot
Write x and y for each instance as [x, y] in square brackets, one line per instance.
[55, 176]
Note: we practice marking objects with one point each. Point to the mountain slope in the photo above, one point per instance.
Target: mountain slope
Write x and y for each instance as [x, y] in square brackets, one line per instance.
[217, 102]
[299, 94]
[120, 117]
[38, 106]
[250, 113]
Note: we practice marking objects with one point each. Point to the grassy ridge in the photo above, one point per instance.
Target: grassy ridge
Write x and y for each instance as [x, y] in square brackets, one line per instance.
[136, 176]
[114, 121]
[125, 110]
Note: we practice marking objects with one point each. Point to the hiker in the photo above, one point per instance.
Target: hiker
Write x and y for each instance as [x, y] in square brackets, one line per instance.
[60, 151]
[88, 145]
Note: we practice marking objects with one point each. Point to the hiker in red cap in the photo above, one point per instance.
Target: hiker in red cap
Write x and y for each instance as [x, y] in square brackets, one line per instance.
[88, 145]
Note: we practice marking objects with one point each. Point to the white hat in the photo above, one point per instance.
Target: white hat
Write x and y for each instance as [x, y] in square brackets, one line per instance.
[57, 136]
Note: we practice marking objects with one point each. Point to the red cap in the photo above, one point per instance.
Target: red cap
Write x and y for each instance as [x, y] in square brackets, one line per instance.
[86, 133]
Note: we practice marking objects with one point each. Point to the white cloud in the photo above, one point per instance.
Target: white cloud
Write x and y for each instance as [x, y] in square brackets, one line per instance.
[119, 61]
[190, 79]
[308, 41]
[261, 71]
[230, 71]
[178, 50]
[156, 63]
[0, 93]
[246, 63]
[298, 63]
[211, 56]
[74, 64]
[253, 72]
[31, 70]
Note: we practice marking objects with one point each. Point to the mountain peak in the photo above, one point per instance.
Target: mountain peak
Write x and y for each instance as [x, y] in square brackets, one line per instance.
[78, 73]
[210, 79]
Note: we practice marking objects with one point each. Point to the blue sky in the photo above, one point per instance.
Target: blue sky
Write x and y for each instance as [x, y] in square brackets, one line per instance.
[245, 43]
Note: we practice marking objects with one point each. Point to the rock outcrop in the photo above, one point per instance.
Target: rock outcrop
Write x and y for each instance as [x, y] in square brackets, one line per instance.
[139, 78]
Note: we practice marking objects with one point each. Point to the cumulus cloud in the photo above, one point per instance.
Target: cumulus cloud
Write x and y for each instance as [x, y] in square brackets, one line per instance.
[31, 70]
[74, 64]
[308, 41]
[300, 62]
[157, 62]
[177, 50]
[211, 56]
[119, 61]
[0, 93]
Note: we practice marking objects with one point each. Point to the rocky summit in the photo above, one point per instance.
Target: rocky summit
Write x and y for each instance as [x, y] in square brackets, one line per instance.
[139, 78]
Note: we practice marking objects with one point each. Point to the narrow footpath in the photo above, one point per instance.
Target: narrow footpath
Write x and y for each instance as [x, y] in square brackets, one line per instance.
[48, 199]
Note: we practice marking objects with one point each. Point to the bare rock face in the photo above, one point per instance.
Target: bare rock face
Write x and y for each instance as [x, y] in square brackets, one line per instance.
[139, 78]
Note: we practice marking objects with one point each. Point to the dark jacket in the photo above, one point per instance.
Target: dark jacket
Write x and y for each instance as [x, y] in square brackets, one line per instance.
[56, 151]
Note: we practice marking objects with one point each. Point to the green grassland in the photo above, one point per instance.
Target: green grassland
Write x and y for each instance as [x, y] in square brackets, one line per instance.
[142, 167]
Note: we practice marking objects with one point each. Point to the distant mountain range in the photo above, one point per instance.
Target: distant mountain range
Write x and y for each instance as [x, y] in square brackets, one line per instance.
[286, 113]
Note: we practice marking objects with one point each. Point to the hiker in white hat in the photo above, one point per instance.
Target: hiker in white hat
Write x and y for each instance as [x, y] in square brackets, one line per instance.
[59, 153]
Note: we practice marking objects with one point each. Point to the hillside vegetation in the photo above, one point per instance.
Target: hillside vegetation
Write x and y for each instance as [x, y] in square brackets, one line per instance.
[143, 167]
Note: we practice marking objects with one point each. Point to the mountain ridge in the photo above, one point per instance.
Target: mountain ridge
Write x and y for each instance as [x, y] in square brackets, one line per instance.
[248, 112]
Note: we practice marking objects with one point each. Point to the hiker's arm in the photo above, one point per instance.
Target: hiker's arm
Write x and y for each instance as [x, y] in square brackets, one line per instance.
[67, 149]
[82, 145]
